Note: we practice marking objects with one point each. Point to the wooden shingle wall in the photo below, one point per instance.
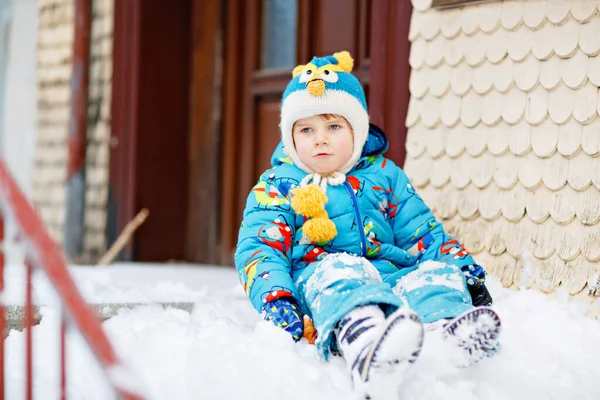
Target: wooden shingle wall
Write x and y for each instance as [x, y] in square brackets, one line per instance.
[504, 134]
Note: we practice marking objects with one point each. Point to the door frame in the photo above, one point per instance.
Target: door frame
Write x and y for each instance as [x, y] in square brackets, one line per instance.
[205, 119]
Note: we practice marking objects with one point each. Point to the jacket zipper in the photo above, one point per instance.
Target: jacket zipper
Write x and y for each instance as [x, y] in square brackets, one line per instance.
[361, 227]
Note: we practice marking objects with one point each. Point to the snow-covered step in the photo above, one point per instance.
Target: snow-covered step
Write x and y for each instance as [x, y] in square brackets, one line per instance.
[120, 286]
[15, 314]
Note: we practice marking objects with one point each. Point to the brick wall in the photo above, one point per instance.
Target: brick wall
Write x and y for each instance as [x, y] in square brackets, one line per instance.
[98, 129]
[55, 48]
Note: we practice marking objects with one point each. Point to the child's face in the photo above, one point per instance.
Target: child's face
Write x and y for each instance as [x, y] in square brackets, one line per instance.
[324, 143]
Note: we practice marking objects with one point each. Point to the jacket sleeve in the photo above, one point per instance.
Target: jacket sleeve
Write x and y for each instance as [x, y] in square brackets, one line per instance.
[264, 250]
[418, 232]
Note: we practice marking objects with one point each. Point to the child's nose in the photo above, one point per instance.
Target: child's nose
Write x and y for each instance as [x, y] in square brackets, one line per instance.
[321, 139]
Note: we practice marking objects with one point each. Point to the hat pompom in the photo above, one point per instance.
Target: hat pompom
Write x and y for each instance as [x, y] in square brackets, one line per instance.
[309, 200]
[345, 60]
[320, 229]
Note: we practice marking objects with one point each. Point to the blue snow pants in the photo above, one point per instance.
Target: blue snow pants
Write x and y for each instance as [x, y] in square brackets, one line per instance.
[334, 286]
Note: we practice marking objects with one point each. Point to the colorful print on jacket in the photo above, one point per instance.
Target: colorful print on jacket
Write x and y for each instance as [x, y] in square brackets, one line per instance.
[377, 213]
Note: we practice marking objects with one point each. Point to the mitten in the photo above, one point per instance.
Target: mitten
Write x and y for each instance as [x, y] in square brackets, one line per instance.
[476, 284]
[284, 313]
[474, 274]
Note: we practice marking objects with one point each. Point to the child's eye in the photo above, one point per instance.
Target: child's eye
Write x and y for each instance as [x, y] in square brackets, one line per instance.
[306, 130]
[334, 127]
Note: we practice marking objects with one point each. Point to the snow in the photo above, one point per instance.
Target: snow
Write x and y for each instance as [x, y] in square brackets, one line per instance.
[329, 272]
[416, 279]
[223, 350]
[122, 283]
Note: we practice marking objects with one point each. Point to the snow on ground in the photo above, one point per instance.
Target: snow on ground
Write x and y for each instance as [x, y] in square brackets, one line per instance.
[122, 282]
[223, 350]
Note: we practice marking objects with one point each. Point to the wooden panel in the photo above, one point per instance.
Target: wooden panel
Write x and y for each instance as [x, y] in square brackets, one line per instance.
[234, 127]
[389, 93]
[334, 34]
[246, 136]
[229, 148]
[204, 158]
[304, 35]
[149, 163]
[350, 30]
[363, 52]
[124, 120]
[265, 82]
[268, 126]
[163, 135]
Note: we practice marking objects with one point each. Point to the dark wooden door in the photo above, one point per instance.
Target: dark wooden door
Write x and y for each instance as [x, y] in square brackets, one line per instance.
[257, 66]
[149, 126]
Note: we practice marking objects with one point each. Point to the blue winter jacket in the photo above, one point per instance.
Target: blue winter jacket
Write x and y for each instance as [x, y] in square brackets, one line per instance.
[377, 214]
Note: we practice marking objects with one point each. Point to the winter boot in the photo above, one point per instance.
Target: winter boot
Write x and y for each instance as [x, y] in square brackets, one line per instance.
[379, 351]
[475, 335]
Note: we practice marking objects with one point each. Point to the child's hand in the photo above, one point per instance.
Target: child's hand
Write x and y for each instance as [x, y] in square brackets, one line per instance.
[284, 313]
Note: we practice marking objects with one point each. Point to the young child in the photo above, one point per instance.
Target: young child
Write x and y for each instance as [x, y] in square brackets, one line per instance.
[336, 231]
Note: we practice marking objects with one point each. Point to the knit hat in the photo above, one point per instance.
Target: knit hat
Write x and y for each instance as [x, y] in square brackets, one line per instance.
[323, 86]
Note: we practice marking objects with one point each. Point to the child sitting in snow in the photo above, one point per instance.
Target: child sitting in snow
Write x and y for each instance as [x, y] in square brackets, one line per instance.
[336, 231]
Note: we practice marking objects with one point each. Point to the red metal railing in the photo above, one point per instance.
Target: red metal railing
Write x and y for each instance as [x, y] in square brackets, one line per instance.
[44, 254]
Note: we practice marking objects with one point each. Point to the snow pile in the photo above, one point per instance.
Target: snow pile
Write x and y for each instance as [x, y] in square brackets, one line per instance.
[223, 350]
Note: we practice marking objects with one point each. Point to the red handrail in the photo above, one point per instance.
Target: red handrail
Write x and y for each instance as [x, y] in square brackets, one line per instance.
[28, 325]
[45, 255]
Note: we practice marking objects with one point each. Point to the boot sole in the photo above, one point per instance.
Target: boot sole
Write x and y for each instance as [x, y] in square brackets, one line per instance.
[370, 363]
[475, 332]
